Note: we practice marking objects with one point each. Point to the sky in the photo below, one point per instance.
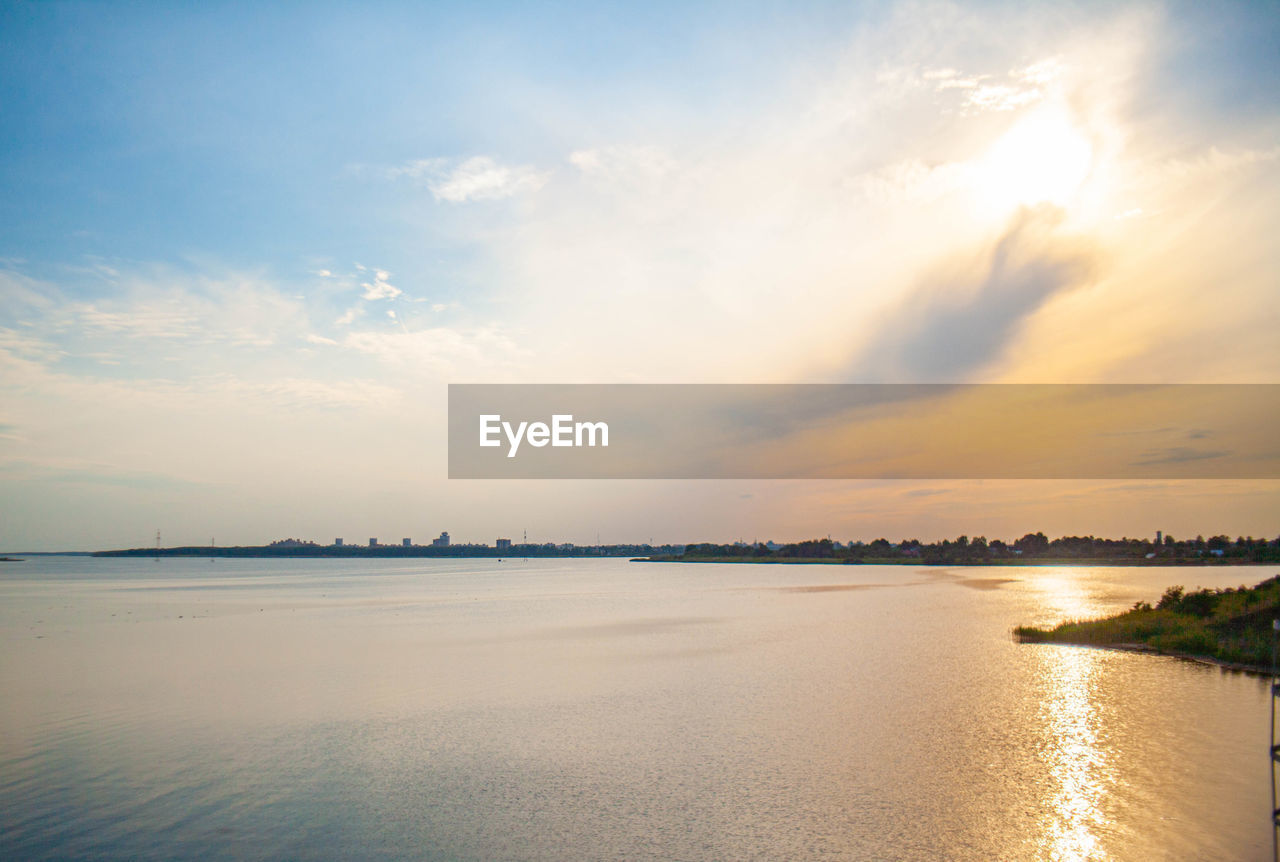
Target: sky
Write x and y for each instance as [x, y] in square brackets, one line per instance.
[244, 248]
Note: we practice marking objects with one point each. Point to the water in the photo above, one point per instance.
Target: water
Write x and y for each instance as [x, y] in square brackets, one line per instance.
[601, 709]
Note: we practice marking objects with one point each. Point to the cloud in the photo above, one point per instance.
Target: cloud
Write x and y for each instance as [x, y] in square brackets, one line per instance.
[911, 181]
[623, 164]
[163, 317]
[441, 350]
[1002, 97]
[307, 392]
[1213, 161]
[20, 294]
[975, 93]
[88, 473]
[1179, 455]
[475, 179]
[380, 288]
[24, 346]
[181, 308]
[963, 316]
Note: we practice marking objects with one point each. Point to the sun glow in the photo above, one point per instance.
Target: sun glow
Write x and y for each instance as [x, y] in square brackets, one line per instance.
[1043, 158]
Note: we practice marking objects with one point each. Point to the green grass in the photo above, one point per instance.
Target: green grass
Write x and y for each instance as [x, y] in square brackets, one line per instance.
[1231, 625]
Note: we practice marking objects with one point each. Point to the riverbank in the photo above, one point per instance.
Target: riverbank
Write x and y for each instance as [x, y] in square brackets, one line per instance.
[1230, 627]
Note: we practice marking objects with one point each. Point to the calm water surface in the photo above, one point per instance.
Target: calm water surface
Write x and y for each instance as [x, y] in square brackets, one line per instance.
[601, 709]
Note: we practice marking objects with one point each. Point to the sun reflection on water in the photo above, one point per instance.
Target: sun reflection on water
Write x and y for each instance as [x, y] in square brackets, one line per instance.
[1075, 760]
[1063, 598]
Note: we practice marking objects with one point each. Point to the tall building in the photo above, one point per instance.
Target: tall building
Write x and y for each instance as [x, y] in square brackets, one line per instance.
[503, 544]
[373, 543]
[406, 542]
[337, 542]
[442, 542]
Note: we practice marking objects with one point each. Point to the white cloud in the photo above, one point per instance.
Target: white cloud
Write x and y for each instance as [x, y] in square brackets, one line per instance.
[380, 288]
[1215, 161]
[978, 93]
[623, 163]
[1002, 97]
[1042, 73]
[28, 347]
[161, 317]
[911, 181]
[474, 179]
[442, 350]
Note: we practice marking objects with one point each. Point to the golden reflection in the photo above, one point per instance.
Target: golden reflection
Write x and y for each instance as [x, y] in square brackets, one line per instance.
[1075, 763]
[1061, 599]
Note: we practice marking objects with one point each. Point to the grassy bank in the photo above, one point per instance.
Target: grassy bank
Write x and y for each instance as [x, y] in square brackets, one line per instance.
[1231, 625]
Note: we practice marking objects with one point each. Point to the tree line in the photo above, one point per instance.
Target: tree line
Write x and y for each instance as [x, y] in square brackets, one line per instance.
[1032, 546]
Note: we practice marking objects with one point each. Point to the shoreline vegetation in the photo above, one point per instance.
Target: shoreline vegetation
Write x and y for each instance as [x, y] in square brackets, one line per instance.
[1033, 549]
[1230, 627]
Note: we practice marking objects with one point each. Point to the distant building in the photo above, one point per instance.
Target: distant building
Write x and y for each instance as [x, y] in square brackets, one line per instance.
[406, 542]
[289, 543]
[337, 542]
[442, 542]
[1159, 536]
[373, 543]
[503, 544]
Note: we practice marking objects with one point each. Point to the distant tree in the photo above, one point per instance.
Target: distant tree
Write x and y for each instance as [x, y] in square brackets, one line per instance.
[1032, 543]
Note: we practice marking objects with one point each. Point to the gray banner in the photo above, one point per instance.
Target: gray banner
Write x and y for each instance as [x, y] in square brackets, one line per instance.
[864, 431]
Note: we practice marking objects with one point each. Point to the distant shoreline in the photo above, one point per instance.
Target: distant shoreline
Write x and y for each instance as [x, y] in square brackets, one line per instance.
[900, 561]
[634, 553]
[379, 551]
